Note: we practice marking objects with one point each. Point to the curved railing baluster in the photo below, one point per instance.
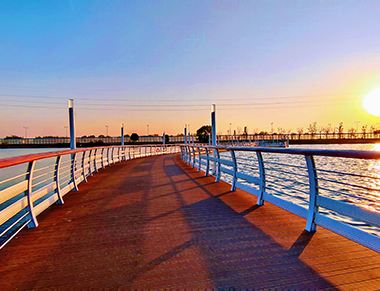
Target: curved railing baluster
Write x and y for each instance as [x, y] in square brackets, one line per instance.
[102, 158]
[33, 222]
[83, 167]
[94, 166]
[56, 178]
[260, 199]
[207, 162]
[193, 150]
[234, 175]
[73, 160]
[218, 173]
[313, 192]
[108, 156]
[199, 159]
[89, 163]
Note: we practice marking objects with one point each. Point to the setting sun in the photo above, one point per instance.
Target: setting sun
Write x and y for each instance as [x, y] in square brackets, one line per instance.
[371, 102]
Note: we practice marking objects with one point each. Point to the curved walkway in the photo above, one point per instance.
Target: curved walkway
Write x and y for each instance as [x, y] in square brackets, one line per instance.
[156, 223]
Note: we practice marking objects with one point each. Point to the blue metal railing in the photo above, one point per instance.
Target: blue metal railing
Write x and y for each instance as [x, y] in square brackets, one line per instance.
[338, 190]
[49, 176]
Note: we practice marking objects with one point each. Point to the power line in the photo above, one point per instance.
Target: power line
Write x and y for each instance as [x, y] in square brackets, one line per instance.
[79, 104]
[174, 100]
[241, 106]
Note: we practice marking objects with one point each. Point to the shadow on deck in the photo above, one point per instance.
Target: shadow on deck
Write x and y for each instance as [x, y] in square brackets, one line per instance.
[156, 223]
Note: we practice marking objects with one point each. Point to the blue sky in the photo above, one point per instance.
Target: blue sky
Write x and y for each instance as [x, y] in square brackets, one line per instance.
[163, 63]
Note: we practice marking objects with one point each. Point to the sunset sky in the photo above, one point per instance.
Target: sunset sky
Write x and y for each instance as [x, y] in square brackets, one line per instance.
[163, 63]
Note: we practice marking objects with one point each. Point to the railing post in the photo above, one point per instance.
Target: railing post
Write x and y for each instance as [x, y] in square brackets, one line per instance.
[260, 199]
[73, 157]
[122, 154]
[33, 223]
[234, 178]
[56, 179]
[313, 192]
[108, 156]
[83, 171]
[217, 168]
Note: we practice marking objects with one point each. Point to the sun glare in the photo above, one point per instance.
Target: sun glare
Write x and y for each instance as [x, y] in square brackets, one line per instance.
[371, 102]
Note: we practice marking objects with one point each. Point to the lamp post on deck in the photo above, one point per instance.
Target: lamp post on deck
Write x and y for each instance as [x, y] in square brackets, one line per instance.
[122, 134]
[72, 124]
[185, 133]
[213, 124]
[106, 130]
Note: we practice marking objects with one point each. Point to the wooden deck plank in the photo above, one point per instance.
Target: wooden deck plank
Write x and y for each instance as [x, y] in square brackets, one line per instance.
[156, 223]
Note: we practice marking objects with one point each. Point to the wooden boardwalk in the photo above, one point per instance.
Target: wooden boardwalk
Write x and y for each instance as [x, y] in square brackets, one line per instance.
[156, 223]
